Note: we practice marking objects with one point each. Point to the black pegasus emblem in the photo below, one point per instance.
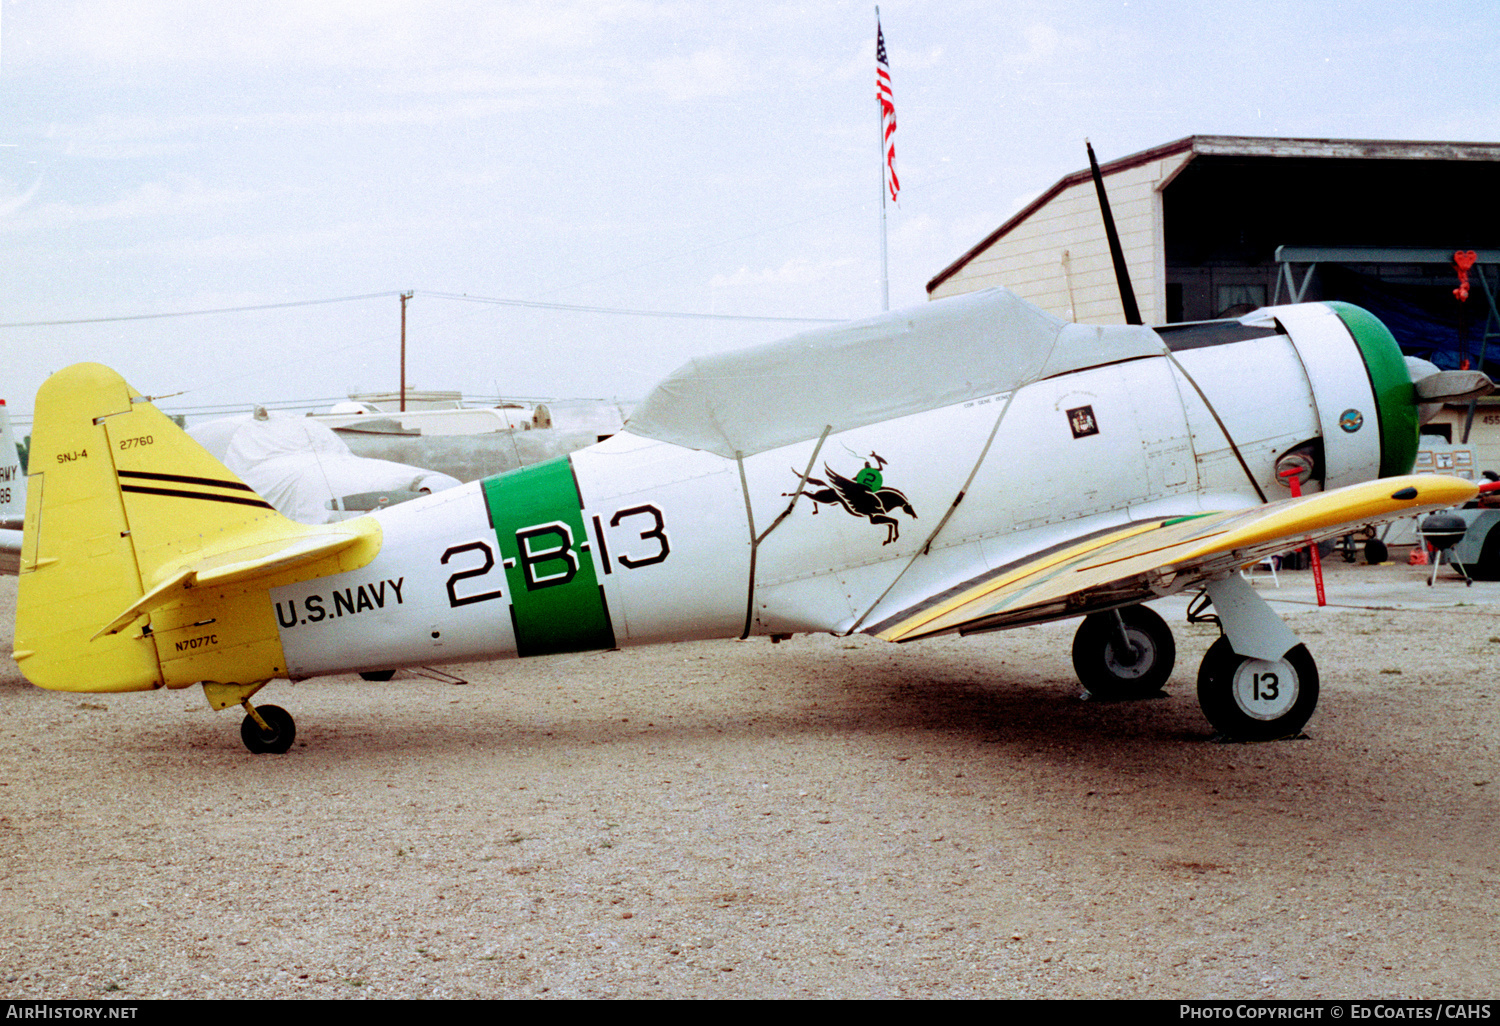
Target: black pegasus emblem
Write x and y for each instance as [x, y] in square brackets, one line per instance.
[865, 495]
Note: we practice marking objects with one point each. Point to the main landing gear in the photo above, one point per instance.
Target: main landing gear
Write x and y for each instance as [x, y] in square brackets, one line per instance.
[1257, 682]
[1124, 653]
[1250, 699]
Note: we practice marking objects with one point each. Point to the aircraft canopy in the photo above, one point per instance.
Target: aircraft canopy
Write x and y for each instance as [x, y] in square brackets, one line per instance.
[900, 363]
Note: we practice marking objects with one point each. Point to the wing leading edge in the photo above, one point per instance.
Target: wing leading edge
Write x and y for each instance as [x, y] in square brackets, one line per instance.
[1151, 558]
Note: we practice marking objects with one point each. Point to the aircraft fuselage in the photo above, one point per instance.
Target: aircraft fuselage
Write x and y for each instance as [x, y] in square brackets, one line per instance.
[637, 540]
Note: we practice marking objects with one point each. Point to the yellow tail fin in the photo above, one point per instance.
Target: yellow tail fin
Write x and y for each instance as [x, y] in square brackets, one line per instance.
[129, 521]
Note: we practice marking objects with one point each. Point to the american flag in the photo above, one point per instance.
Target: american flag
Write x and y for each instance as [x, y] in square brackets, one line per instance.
[887, 110]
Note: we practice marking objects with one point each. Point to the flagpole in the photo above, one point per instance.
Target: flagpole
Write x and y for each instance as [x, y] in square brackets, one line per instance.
[885, 278]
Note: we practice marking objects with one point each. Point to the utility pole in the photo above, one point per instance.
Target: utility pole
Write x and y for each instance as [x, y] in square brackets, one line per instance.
[404, 297]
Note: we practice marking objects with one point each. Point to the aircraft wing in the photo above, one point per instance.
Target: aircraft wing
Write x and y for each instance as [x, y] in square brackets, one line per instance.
[1142, 560]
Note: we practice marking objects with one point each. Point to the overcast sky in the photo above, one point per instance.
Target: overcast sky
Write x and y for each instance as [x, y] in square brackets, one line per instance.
[176, 155]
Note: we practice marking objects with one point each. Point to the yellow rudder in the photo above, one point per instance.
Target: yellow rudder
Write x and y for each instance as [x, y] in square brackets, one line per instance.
[145, 562]
[78, 565]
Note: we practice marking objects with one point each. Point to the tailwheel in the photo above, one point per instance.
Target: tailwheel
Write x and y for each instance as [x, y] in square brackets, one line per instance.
[1256, 699]
[267, 729]
[1124, 653]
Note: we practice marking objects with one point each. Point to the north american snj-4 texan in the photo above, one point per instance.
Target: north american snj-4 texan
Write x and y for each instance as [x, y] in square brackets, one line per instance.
[971, 465]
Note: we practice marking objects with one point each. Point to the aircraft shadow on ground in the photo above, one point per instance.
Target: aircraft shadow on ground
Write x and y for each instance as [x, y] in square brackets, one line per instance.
[865, 693]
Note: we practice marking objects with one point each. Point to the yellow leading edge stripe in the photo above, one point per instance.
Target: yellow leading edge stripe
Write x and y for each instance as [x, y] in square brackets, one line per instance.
[1290, 521]
[979, 591]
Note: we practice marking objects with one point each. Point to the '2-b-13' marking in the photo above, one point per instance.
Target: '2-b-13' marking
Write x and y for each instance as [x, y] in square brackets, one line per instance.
[551, 578]
[345, 602]
[547, 555]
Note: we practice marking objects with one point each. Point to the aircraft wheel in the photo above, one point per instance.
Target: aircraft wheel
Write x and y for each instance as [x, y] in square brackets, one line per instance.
[1255, 700]
[1106, 671]
[377, 674]
[1375, 552]
[280, 737]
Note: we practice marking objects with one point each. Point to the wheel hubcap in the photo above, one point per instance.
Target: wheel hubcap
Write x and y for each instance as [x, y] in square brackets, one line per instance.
[1265, 690]
[1134, 663]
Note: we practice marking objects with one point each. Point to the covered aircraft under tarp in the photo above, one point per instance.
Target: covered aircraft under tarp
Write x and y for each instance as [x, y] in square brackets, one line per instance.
[307, 472]
[468, 457]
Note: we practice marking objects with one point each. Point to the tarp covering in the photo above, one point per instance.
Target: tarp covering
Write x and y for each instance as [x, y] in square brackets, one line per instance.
[946, 352]
[1427, 320]
[298, 465]
[471, 457]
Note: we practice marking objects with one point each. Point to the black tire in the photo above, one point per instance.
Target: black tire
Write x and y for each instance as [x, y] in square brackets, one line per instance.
[280, 737]
[1099, 663]
[377, 674]
[1376, 552]
[1230, 692]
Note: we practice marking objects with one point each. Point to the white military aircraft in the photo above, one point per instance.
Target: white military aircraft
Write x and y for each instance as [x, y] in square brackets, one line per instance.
[12, 496]
[970, 465]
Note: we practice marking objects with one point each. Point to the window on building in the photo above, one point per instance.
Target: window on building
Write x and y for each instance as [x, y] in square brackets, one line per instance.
[1236, 300]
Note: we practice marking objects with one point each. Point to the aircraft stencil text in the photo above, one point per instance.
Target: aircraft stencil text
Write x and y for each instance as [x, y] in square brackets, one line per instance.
[199, 642]
[340, 602]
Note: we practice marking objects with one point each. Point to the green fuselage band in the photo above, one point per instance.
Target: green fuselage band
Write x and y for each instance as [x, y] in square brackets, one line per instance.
[557, 604]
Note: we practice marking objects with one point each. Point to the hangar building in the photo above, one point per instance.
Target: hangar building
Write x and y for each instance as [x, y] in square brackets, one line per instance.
[1215, 226]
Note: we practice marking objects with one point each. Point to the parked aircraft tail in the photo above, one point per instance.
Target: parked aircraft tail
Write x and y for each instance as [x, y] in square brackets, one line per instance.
[145, 562]
[12, 482]
[12, 496]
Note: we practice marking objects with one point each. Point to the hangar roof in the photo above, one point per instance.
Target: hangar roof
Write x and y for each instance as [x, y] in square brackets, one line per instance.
[1245, 147]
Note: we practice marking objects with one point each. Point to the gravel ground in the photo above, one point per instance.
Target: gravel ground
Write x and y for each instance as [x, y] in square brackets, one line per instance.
[822, 818]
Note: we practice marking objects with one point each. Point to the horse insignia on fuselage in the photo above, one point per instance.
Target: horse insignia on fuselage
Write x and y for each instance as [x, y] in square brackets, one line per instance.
[864, 495]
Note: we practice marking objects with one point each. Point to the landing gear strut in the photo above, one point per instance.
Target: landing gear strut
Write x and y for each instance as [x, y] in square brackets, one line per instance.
[1124, 653]
[267, 729]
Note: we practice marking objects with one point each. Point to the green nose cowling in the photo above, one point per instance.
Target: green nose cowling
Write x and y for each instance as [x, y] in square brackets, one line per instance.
[1395, 398]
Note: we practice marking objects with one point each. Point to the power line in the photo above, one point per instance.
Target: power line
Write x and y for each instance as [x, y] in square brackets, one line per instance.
[572, 308]
[476, 401]
[535, 305]
[195, 313]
